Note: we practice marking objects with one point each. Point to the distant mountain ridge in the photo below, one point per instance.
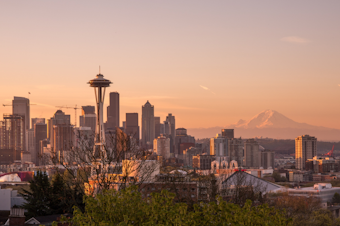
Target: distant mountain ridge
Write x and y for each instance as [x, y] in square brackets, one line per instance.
[271, 124]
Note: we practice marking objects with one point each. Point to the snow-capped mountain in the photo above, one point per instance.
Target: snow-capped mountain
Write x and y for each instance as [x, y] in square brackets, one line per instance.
[269, 119]
[270, 124]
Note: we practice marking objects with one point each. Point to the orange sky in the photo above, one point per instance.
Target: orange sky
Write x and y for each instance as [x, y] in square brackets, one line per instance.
[207, 63]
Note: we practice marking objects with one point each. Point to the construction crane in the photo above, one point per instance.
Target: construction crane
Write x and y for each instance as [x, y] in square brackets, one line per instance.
[330, 153]
[75, 112]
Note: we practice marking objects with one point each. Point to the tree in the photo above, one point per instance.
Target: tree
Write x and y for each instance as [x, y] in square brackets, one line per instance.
[46, 198]
[127, 207]
[240, 186]
[38, 197]
[336, 198]
[118, 163]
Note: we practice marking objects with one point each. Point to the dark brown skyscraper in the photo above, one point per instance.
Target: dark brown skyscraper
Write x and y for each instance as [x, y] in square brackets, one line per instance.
[148, 124]
[131, 125]
[113, 111]
[157, 127]
[40, 133]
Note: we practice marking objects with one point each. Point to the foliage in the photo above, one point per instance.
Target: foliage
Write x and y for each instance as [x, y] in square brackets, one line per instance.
[304, 211]
[336, 198]
[278, 178]
[55, 197]
[127, 207]
[38, 197]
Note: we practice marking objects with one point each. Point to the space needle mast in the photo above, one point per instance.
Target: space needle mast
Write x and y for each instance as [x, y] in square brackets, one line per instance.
[99, 83]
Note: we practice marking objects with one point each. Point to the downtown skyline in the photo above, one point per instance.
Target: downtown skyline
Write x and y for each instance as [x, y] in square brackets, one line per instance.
[207, 64]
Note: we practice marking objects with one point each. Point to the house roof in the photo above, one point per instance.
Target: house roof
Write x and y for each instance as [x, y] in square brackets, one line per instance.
[243, 178]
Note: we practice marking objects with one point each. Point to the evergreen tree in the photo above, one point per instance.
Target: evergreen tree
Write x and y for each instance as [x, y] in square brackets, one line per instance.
[38, 197]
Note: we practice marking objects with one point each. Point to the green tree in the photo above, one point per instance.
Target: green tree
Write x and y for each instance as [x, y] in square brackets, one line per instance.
[55, 197]
[38, 196]
[336, 198]
[127, 207]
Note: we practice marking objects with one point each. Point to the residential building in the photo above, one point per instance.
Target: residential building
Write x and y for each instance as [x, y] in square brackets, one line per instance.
[161, 146]
[202, 162]
[305, 148]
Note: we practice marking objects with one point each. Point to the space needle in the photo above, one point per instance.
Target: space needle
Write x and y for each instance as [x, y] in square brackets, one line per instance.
[99, 83]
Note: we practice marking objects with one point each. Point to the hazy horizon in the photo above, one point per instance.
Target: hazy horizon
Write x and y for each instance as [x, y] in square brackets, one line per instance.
[208, 63]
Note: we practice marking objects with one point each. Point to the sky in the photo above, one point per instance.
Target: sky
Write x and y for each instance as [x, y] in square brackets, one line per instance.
[209, 63]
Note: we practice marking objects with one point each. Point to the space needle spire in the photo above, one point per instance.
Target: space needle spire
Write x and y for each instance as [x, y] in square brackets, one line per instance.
[99, 83]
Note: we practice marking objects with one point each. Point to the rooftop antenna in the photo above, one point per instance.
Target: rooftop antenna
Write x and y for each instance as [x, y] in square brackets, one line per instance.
[99, 69]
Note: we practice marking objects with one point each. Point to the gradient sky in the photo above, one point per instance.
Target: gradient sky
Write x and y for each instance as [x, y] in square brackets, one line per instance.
[209, 63]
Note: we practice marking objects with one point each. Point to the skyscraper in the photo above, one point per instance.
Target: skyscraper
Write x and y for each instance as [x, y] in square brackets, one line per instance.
[113, 111]
[40, 133]
[171, 119]
[131, 126]
[219, 148]
[305, 148]
[181, 138]
[21, 106]
[88, 117]
[148, 124]
[252, 155]
[59, 118]
[157, 126]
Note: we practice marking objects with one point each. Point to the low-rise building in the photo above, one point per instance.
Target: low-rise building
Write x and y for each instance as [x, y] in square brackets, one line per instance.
[323, 191]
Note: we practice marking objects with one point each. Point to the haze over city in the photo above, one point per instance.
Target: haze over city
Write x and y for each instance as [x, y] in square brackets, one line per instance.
[209, 64]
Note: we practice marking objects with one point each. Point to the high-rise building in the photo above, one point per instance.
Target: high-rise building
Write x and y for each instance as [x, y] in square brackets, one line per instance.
[235, 147]
[161, 146]
[228, 133]
[157, 126]
[37, 120]
[131, 126]
[252, 155]
[181, 138]
[21, 106]
[113, 112]
[219, 148]
[305, 148]
[40, 133]
[267, 159]
[59, 118]
[148, 124]
[13, 136]
[30, 141]
[62, 138]
[88, 117]
[171, 119]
